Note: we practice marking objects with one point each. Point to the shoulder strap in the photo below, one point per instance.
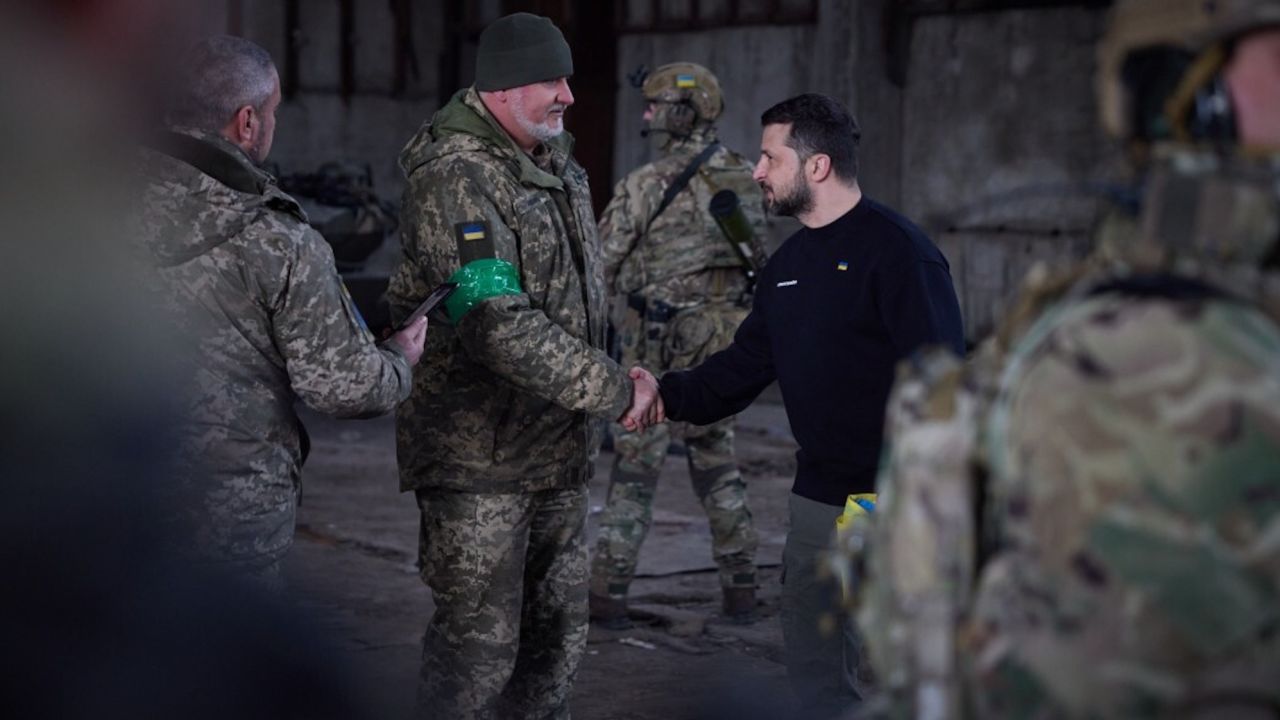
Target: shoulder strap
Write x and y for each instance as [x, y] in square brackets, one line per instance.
[1162, 285]
[682, 180]
[209, 160]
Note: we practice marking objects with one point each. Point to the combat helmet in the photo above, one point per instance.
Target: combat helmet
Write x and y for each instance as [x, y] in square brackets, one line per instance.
[1159, 67]
[686, 95]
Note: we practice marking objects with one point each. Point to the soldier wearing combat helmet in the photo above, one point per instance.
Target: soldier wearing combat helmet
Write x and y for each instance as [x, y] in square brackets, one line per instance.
[683, 97]
[1101, 480]
[681, 286]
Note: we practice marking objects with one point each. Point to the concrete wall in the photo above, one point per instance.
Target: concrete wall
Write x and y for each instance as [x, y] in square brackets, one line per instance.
[1000, 141]
[317, 125]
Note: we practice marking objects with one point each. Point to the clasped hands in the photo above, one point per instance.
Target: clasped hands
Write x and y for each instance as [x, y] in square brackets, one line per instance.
[646, 404]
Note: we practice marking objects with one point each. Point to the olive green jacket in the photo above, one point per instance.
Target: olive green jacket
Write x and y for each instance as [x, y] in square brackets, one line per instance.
[510, 399]
[264, 321]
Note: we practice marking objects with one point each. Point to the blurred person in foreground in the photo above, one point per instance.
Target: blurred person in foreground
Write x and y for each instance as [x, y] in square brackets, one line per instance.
[101, 616]
[1083, 520]
[682, 286]
[499, 437]
[254, 290]
[850, 294]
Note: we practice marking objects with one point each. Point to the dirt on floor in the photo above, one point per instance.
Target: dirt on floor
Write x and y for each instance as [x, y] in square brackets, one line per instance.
[353, 568]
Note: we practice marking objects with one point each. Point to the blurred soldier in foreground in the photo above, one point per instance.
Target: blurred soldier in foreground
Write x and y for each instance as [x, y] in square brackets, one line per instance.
[1083, 521]
[499, 436]
[685, 286]
[255, 291]
[102, 617]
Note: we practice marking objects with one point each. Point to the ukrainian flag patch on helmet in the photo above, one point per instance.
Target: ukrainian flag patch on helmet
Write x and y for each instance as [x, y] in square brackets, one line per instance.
[842, 265]
[685, 81]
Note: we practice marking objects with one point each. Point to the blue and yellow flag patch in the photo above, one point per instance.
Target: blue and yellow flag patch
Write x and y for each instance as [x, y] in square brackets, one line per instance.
[474, 241]
[842, 265]
[350, 303]
[685, 81]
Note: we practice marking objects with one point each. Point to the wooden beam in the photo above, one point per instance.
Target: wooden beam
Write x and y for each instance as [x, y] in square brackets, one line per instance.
[235, 17]
[900, 17]
[456, 21]
[347, 45]
[292, 46]
[732, 16]
[919, 8]
[405, 62]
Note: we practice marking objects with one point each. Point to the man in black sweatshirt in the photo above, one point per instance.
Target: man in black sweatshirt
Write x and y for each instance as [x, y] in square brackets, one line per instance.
[844, 299]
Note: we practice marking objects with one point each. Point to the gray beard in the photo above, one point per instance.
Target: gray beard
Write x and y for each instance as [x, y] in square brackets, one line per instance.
[539, 131]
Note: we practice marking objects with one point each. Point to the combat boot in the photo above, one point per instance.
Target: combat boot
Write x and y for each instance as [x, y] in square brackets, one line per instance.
[609, 612]
[740, 605]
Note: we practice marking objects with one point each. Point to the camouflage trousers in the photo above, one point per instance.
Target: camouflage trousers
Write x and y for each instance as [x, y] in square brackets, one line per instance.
[628, 512]
[507, 573]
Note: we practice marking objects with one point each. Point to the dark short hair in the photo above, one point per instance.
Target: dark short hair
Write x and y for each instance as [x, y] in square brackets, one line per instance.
[819, 124]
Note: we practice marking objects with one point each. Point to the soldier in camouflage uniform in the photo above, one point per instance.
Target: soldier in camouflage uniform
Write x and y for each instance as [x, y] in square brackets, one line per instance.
[499, 436]
[255, 290]
[682, 289]
[1082, 521]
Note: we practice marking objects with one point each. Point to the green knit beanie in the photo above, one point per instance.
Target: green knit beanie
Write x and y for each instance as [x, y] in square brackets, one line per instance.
[521, 49]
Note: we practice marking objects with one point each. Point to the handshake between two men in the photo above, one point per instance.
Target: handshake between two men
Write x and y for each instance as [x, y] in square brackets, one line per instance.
[646, 403]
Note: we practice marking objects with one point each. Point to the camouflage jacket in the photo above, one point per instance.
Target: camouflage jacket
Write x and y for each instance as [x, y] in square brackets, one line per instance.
[673, 257]
[1080, 520]
[255, 293]
[509, 399]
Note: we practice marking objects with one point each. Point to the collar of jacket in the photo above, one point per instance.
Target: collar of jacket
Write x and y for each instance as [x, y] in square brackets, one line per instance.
[702, 136]
[465, 114]
[214, 156]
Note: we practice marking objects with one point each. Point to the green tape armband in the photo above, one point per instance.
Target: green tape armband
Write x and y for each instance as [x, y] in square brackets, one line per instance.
[480, 280]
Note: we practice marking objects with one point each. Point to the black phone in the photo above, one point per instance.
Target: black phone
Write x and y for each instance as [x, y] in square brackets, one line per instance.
[436, 297]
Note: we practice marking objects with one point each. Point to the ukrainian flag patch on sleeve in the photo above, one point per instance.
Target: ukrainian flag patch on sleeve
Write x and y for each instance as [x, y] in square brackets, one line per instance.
[351, 304]
[842, 266]
[685, 81]
[474, 241]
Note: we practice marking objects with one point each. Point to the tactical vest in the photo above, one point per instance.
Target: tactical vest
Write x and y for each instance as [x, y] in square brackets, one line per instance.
[1081, 520]
[684, 241]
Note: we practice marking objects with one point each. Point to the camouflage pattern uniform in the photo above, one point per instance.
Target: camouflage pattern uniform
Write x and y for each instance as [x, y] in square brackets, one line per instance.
[255, 291]
[499, 435]
[1081, 521]
[681, 292]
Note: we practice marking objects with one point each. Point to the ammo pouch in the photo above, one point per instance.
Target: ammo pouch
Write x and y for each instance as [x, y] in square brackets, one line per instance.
[678, 338]
[653, 311]
[654, 316]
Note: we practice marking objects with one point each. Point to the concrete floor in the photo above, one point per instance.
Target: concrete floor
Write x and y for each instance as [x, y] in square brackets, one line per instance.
[353, 567]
